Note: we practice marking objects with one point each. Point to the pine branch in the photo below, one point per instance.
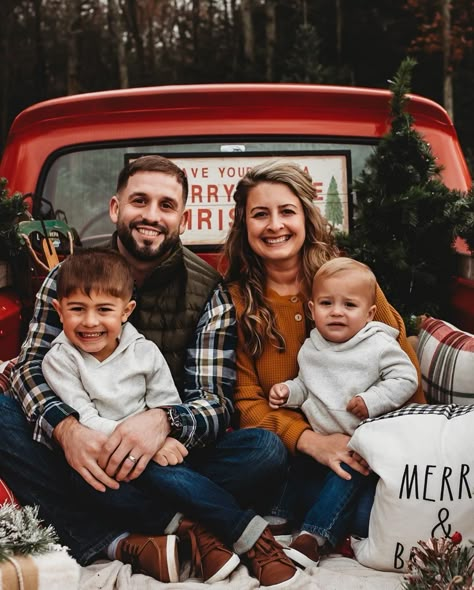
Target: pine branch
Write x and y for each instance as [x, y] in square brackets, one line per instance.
[441, 564]
[400, 86]
[11, 207]
[22, 532]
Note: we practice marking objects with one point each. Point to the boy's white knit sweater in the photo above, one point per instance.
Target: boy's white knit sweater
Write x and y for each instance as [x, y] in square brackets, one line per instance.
[133, 378]
[371, 364]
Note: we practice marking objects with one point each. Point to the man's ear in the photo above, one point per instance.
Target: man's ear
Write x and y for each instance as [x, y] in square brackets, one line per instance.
[57, 307]
[128, 310]
[184, 221]
[114, 208]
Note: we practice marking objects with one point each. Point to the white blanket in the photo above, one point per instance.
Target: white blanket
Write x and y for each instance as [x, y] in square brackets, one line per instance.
[334, 573]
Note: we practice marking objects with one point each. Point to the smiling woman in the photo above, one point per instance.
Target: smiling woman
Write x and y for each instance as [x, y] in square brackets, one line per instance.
[277, 243]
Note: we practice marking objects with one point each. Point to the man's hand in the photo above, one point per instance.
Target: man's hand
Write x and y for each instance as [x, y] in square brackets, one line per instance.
[278, 395]
[82, 448]
[358, 407]
[171, 453]
[133, 443]
[331, 450]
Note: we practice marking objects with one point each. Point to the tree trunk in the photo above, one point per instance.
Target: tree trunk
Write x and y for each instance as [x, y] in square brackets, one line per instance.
[196, 9]
[339, 21]
[73, 85]
[5, 28]
[447, 66]
[270, 31]
[247, 32]
[40, 69]
[132, 14]
[118, 35]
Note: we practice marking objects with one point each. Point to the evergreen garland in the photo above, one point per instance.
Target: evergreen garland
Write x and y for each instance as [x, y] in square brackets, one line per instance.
[406, 219]
[441, 564]
[22, 533]
[11, 207]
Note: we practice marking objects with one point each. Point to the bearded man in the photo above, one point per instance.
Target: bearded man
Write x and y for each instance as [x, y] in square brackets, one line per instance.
[194, 327]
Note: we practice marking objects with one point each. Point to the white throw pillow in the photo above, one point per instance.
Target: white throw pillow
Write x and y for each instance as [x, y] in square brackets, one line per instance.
[424, 455]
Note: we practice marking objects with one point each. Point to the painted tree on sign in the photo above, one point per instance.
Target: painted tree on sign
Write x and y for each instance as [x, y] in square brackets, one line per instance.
[333, 211]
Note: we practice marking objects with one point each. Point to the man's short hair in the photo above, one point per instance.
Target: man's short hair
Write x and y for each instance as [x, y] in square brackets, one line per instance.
[95, 269]
[153, 163]
[343, 264]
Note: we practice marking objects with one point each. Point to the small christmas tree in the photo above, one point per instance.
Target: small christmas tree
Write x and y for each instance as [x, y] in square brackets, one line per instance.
[406, 219]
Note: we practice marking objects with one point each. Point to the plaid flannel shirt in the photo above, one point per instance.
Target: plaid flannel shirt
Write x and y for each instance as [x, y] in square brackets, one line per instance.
[209, 372]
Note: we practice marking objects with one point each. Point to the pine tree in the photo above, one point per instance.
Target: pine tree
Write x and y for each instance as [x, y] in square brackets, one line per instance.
[333, 211]
[406, 219]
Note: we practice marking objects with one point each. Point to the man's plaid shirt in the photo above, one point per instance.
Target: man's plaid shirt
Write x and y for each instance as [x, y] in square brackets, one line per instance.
[209, 372]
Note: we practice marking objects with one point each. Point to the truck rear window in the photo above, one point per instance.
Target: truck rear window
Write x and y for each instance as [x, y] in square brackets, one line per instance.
[79, 184]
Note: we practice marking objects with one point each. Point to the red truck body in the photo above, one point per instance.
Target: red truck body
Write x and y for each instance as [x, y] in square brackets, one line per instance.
[68, 151]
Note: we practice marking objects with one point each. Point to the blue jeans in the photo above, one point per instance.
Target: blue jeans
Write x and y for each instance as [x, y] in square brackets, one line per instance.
[318, 501]
[242, 462]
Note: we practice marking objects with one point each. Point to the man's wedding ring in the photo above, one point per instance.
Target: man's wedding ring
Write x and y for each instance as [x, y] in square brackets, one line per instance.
[131, 458]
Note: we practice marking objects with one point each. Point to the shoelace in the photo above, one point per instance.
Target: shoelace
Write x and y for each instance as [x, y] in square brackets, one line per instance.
[199, 550]
[195, 553]
[130, 555]
[264, 552]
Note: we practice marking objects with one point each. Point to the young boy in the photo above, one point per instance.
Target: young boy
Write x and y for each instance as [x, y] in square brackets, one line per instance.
[350, 368]
[106, 371]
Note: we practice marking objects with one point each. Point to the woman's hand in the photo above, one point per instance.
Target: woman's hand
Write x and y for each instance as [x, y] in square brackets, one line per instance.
[331, 450]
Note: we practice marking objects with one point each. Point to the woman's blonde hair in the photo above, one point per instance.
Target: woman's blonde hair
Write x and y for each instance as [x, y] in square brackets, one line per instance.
[247, 270]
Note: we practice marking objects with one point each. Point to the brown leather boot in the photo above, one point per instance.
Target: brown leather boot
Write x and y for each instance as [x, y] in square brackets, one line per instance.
[269, 564]
[210, 557]
[153, 556]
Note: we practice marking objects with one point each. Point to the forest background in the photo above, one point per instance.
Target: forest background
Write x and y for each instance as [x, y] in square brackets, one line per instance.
[51, 48]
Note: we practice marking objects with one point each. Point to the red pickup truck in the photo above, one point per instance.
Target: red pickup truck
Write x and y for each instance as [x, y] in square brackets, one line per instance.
[67, 153]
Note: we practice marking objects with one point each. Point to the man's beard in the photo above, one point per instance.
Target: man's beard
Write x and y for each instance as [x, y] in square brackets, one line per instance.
[145, 252]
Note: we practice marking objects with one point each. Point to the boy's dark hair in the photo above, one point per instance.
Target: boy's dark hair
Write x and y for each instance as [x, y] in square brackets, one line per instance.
[153, 163]
[95, 269]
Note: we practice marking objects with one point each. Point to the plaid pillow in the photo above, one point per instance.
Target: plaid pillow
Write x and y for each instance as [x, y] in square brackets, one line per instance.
[5, 372]
[446, 356]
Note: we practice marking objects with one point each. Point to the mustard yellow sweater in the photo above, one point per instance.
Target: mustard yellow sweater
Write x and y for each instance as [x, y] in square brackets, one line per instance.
[256, 376]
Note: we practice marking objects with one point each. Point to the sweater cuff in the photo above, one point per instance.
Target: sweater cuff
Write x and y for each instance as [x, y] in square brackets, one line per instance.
[291, 436]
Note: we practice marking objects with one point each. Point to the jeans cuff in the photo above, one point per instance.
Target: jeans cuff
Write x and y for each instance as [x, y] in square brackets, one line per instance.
[173, 524]
[250, 535]
[316, 530]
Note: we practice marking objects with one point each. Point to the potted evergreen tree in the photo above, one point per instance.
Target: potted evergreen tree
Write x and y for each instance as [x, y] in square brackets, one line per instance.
[406, 219]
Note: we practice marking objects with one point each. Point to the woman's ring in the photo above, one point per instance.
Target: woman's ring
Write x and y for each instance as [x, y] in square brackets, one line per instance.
[131, 458]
